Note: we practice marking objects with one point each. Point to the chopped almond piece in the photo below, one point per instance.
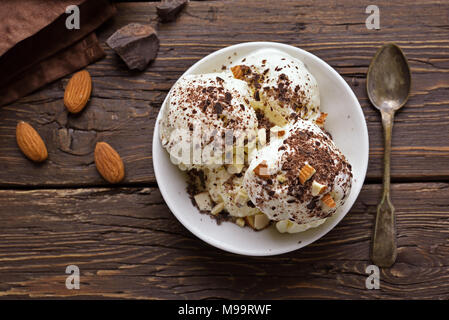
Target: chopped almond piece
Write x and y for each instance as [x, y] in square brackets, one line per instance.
[281, 178]
[262, 170]
[242, 197]
[260, 221]
[317, 188]
[250, 221]
[307, 171]
[235, 168]
[277, 131]
[322, 118]
[203, 201]
[240, 222]
[262, 137]
[237, 71]
[217, 209]
[328, 200]
[282, 226]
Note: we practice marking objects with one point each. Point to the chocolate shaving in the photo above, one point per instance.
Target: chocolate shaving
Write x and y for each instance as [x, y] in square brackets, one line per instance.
[228, 97]
[218, 108]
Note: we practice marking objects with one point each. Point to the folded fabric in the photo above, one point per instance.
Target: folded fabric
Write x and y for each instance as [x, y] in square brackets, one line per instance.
[36, 46]
[60, 64]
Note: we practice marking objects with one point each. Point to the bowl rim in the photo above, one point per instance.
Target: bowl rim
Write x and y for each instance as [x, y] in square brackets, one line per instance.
[218, 244]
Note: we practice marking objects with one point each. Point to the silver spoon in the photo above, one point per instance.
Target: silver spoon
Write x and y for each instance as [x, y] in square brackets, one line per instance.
[388, 85]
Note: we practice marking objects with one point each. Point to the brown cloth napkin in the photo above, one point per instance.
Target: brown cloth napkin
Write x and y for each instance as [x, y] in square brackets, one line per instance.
[36, 48]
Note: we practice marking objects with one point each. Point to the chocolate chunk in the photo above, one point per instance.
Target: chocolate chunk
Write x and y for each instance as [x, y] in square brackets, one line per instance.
[312, 204]
[167, 10]
[218, 108]
[228, 97]
[136, 44]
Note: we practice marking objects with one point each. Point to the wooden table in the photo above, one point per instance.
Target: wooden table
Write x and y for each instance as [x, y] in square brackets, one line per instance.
[125, 240]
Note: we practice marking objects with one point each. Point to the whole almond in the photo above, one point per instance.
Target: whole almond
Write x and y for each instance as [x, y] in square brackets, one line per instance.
[30, 142]
[108, 162]
[77, 92]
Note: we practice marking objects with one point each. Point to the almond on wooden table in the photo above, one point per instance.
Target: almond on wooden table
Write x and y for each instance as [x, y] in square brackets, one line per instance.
[78, 91]
[30, 142]
[108, 162]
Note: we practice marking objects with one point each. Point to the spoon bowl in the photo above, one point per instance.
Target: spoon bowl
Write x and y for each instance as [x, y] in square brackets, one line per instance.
[388, 80]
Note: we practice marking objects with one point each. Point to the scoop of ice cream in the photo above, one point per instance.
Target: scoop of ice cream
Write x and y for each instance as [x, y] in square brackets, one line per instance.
[201, 109]
[228, 188]
[301, 176]
[282, 86]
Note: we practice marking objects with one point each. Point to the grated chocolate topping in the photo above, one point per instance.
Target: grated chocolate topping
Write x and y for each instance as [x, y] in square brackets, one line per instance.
[305, 144]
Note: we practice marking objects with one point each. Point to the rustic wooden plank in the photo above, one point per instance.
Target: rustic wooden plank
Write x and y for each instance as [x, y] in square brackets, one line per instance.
[125, 104]
[127, 244]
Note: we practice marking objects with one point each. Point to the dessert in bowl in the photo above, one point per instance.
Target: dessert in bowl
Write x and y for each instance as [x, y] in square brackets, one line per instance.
[265, 136]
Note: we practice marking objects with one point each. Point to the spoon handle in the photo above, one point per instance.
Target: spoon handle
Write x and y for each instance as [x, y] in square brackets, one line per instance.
[383, 252]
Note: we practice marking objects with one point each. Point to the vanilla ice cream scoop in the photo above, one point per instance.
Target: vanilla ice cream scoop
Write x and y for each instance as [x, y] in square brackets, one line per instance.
[301, 176]
[201, 109]
[228, 188]
[282, 86]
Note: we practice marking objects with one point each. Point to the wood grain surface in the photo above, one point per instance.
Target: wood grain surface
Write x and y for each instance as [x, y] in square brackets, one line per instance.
[124, 104]
[126, 241]
[127, 244]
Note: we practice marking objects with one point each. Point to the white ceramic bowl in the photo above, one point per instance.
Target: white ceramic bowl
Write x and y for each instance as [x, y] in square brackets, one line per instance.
[345, 122]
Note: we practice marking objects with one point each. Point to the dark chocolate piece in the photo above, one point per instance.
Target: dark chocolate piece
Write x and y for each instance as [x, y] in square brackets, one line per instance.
[167, 10]
[218, 108]
[136, 44]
